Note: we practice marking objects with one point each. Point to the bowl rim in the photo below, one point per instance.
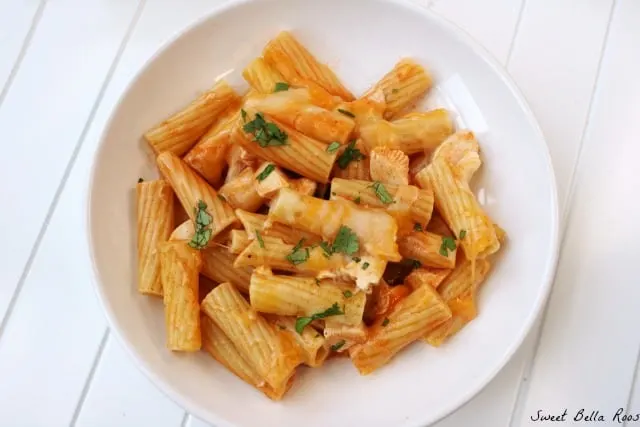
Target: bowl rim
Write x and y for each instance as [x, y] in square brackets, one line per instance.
[551, 263]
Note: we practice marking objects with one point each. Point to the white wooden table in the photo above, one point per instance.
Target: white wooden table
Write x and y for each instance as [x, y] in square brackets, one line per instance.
[63, 64]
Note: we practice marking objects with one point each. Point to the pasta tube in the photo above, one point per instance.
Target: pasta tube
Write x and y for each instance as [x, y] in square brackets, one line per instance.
[217, 265]
[311, 343]
[341, 337]
[209, 156]
[218, 345]
[426, 276]
[299, 153]
[418, 202]
[403, 87]
[303, 186]
[358, 167]
[455, 201]
[375, 230]
[261, 76]
[191, 189]
[269, 179]
[180, 266]
[181, 131]
[296, 64]
[414, 133]
[253, 222]
[269, 351]
[241, 192]
[295, 108]
[184, 231]
[459, 290]
[389, 166]
[239, 241]
[302, 296]
[428, 248]
[410, 319]
[154, 211]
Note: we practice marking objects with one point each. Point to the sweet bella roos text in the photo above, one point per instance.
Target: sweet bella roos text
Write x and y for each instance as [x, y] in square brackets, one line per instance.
[584, 415]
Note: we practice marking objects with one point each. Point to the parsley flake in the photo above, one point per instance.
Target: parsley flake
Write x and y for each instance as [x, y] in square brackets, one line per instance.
[385, 322]
[327, 250]
[357, 200]
[448, 244]
[346, 113]
[221, 197]
[202, 220]
[266, 134]
[347, 294]
[266, 172]
[337, 346]
[140, 180]
[333, 147]
[365, 265]
[244, 115]
[281, 87]
[299, 254]
[417, 227]
[382, 193]
[462, 234]
[302, 322]
[346, 241]
[350, 154]
[259, 238]
[357, 259]
[413, 263]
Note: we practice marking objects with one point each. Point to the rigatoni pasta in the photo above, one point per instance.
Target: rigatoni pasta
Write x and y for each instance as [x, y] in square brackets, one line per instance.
[311, 223]
[154, 212]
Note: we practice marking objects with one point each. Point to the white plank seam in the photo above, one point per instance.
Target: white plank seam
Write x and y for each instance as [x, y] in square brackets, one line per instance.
[523, 389]
[67, 171]
[633, 383]
[25, 46]
[185, 419]
[515, 33]
[92, 372]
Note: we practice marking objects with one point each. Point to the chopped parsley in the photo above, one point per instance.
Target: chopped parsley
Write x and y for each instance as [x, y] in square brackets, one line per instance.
[346, 113]
[346, 241]
[244, 115]
[356, 259]
[259, 238]
[266, 134]
[347, 294]
[357, 200]
[382, 193]
[281, 87]
[202, 221]
[350, 154]
[333, 147]
[302, 322]
[326, 248]
[299, 254]
[462, 234]
[140, 180]
[413, 263]
[365, 265]
[417, 227]
[337, 346]
[221, 197]
[266, 172]
[385, 322]
[317, 282]
[448, 244]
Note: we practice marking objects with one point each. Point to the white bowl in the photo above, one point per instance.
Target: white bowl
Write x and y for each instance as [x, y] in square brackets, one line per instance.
[360, 40]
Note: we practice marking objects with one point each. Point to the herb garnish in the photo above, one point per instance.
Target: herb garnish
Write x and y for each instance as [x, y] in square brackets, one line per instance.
[299, 254]
[462, 234]
[140, 180]
[350, 154]
[417, 227]
[202, 221]
[221, 197]
[333, 147]
[266, 134]
[281, 87]
[346, 113]
[259, 238]
[385, 322]
[357, 200]
[347, 294]
[302, 322]
[365, 265]
[382, 193]
[266, 172]
[346, 241]
[337, 346]
[448, 244]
